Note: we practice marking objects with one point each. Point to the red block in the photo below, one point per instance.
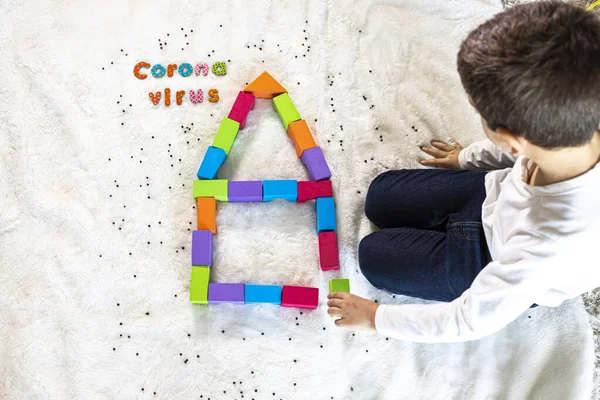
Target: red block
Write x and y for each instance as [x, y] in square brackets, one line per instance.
[328, 251]
[299, 297]
[310, 190]
[241, 107]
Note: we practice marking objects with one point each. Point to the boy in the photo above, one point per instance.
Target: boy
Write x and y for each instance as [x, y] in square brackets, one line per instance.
[489, 245]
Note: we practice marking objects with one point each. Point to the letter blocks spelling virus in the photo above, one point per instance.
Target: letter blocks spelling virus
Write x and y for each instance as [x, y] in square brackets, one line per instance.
[208, 189]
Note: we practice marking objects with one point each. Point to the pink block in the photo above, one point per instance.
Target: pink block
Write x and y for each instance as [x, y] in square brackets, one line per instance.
[328, 251]
[299, 297]
[241, 107]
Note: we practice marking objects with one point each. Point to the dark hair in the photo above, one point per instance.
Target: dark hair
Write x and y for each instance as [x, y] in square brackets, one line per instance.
[534, 70]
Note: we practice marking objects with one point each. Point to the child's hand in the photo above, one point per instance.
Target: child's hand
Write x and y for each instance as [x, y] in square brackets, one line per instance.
[445, 154]
[354, 311]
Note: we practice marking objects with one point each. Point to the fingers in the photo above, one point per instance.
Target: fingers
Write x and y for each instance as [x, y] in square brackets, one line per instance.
[337, 295]
[335, 303]
[434, 162]
[334, 311]
[457, 145]
[442, 146]
[340, 322]
[434, 152]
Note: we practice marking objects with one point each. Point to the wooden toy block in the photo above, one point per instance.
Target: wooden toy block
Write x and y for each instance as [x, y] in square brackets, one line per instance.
[226, 134]
[262, 294]
[325, 214]
[206, 209]
[280, 189]
[265, 87]
[199, 285]
[216, 188]
[202, 248]
[286, 109]
[300, 134]
[339, 285]
[314, 160]
[212, 161]
[241, 107]
[226, 293]
[328, 251]
[245, 191]
[299, 297]
[310, 190]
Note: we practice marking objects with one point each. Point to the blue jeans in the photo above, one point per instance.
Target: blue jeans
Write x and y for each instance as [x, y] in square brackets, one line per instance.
[431, 244]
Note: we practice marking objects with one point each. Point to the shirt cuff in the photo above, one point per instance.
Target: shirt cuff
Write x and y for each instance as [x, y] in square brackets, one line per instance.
[461, 159]
[380, 319]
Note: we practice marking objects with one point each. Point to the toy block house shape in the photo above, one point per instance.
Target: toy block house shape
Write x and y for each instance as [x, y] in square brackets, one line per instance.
[209, 189]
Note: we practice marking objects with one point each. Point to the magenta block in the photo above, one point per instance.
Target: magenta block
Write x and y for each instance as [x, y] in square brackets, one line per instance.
[202, 248]
[316, 164]
[241, 107]
[226, 293]
[244, 191]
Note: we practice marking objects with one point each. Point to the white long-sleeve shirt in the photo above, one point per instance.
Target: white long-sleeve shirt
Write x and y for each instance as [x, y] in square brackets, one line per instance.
[544, 245]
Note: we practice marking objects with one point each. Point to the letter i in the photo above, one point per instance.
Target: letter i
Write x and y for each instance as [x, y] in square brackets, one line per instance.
[167, 97]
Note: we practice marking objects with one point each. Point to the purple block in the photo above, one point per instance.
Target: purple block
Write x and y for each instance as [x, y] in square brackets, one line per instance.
[226, 293]
[202, 248]
[244, 191]
[316, 164]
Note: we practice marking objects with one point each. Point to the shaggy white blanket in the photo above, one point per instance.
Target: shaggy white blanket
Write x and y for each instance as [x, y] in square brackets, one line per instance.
[96, 206]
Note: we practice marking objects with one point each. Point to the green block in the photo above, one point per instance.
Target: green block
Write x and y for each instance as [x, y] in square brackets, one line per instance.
[286, 109]
[216, 188]
[199, 285]
[339, 285]
[226, 134]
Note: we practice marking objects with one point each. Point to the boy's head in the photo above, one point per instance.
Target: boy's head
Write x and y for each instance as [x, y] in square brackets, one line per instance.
[533, 72]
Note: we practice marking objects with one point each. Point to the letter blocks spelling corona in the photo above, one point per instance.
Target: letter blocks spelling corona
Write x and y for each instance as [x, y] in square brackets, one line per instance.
[208, 189]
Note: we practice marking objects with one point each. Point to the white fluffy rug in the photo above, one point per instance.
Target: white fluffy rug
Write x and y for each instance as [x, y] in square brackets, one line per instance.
[96, 206]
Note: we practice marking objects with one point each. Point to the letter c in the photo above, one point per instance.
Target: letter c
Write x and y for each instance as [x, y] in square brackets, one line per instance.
[138, 66]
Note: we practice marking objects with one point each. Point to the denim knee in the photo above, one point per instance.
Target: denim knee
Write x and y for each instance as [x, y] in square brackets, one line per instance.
[367, 256]
[376, 200]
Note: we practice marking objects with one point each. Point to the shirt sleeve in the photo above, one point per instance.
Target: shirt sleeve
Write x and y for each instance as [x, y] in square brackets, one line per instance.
[485, 156]
[499, 294]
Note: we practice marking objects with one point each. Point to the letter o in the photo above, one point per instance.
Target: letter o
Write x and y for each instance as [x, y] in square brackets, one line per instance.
[158, 71]
[185, 69]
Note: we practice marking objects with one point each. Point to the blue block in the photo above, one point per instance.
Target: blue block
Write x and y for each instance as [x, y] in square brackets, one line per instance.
[325, 214]
[263, 294]
[213, 159]
[287, 190]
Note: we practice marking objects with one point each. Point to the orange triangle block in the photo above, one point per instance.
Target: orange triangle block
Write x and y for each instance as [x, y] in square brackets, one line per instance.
[265, 87]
